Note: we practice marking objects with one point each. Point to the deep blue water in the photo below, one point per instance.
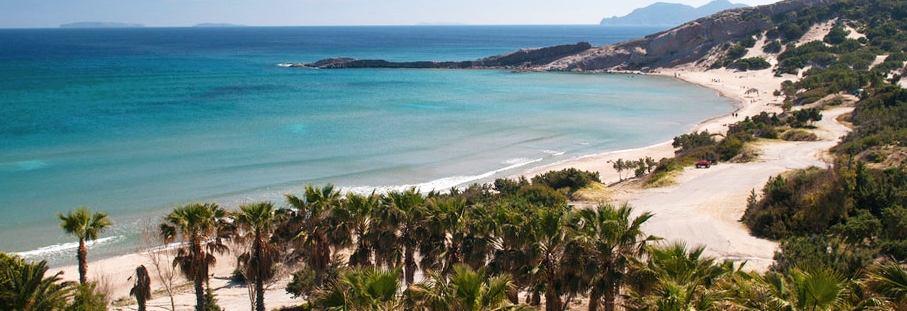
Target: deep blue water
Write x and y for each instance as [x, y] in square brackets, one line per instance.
[137, 121]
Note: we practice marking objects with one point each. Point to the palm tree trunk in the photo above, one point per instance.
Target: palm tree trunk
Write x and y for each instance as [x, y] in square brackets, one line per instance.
[321, 260]
[410, 265]
[201, 272]
[535, 299]
[595, 296]
[259, 277]
[513, 295]
[82, 257]
[610, 298]
[552, 299]
[365, 254]
[142, 290]
[259, 295]
[199, 294]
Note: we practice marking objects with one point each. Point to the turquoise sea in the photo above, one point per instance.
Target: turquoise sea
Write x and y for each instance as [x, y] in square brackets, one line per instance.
[135, 122]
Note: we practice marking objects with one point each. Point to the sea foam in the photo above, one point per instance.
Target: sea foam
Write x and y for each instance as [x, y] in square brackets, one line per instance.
[47, 251]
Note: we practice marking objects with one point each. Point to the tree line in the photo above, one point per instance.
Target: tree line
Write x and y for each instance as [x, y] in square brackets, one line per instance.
[480, 248]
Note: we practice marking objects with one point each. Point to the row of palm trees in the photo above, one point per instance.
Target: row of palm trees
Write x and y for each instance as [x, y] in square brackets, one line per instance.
[550, 251]
[673, 277]
[557, 253]
[480, 243]
[547, 251]
[482, 249]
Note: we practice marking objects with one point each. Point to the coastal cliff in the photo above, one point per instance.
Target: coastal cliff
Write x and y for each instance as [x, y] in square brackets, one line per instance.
[683, 44]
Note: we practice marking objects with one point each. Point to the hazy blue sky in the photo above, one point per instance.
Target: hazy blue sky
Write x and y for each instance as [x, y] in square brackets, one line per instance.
[52, 13]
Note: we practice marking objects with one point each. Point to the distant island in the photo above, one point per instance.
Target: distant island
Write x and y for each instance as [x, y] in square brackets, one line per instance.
[100, 25]
[217, 25]
[669, 14]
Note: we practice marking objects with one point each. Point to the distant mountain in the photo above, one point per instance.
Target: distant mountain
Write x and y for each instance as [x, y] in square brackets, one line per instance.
[217, 25]
[669, 14]
[100, 25]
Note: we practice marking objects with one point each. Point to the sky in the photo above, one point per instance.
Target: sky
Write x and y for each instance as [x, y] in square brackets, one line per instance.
[176, 13]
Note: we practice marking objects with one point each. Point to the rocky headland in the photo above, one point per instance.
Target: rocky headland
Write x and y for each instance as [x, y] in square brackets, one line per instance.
[687, 43]
[524, 59]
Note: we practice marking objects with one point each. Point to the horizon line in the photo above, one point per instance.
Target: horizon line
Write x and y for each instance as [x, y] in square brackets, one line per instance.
[227, 25]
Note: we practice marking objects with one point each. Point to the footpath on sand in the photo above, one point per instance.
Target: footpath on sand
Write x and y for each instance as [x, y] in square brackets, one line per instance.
[705, 205]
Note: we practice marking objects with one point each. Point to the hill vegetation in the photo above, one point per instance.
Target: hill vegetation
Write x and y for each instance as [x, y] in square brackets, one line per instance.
[850, 215]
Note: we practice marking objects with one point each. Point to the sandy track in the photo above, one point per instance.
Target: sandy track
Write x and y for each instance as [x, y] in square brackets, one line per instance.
[705, 205]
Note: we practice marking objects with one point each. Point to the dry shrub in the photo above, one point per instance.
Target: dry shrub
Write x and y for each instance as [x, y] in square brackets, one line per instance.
[799, 135]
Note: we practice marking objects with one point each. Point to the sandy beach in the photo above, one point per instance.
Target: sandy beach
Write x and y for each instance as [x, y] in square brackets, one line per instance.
[727, 83]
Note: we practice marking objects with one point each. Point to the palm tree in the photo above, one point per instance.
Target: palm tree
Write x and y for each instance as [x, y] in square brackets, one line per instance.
[141, 290]
[612, 238]
[889, 280]
[676, 278]
[809, 288]
[25, 288]
[259, 220]
[202, 228]
[356, 213]
[514, 241]
[365, 289]
[455, 234]
[401, 216]
[819, 289]
[85, 226]
[319, 231]
[754, 291]
[466, 289]
[556, 269]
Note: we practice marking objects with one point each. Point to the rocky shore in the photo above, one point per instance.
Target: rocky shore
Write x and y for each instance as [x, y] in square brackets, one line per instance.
[520, 59]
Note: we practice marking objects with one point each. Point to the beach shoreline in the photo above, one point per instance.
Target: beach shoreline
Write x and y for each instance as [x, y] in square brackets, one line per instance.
[726, 83]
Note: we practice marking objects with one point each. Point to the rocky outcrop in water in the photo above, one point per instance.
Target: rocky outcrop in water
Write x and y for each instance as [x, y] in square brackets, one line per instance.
[521, 59]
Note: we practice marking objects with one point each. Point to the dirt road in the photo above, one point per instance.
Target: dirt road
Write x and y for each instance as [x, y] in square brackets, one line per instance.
[705, 205]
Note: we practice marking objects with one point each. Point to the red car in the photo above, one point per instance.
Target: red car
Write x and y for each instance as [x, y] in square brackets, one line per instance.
[703, 163]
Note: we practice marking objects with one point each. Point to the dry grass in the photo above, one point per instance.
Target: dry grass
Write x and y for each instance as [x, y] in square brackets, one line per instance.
[596, 192]
[799, 135]
[665, 180]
